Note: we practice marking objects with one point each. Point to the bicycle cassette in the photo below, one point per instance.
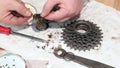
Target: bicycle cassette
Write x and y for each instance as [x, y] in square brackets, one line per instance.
[82, 35]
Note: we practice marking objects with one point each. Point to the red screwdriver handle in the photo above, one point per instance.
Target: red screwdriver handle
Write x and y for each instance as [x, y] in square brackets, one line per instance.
[5, 30]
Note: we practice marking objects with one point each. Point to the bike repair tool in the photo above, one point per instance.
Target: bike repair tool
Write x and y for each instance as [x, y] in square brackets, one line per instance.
[8, 31]
[61, 53]
[40, 23]
[82, 35]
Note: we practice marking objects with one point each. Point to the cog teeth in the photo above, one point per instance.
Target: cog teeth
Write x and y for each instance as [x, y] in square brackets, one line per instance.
[75, 47]
[99, 43]
[85, 41]
[84, 48]
[89, 47]
[79, 48]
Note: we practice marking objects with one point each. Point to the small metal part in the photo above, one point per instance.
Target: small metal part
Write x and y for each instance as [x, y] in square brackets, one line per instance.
[40, 23]
[38, 46]
[82, 35]
[50, 35]
[61, 53]
[43, 47]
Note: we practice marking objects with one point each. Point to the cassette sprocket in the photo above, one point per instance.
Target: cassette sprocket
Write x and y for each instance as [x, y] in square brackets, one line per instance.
[82, 35]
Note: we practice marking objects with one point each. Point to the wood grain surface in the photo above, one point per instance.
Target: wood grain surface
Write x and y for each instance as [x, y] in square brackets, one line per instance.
[1, 49]
[113, 3]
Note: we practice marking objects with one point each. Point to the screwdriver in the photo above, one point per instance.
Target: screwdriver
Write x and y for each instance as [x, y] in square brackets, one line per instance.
[8, 31]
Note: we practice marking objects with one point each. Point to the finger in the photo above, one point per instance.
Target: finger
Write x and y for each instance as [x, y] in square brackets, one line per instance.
[4, 16]
[20, 1]
[7, 18]
[63, 20]
[10, 19]
[48, 7]
[20, 8]
[21, 21]
[58, 15]
[18, 21]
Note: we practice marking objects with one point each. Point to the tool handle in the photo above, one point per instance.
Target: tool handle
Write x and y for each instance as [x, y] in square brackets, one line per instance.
[90, 63]
[5, 30]
[55, 8]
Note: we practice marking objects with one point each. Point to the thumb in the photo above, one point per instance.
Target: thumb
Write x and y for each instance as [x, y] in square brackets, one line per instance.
[21, 9]
[48, 7]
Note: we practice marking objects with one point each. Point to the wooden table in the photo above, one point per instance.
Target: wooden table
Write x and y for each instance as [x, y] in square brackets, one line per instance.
[112, 3]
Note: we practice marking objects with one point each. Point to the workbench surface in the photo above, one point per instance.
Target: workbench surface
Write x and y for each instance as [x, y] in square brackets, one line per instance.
[104, 16]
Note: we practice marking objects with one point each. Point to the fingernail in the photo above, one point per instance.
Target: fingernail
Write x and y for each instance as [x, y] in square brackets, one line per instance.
[28, 13]
[42, 15]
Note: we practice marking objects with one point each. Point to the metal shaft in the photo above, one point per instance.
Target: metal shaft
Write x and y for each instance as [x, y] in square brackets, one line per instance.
[90, 63]
[28, 36]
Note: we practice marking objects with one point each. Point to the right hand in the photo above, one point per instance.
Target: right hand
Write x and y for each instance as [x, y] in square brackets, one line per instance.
[7, 6]
[68, 9]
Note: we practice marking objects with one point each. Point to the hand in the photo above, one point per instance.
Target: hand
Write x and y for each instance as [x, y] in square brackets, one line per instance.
[7, 7]
[68, 9]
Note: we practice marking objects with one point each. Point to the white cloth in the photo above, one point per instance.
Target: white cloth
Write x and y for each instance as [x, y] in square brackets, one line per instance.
[106, 17]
